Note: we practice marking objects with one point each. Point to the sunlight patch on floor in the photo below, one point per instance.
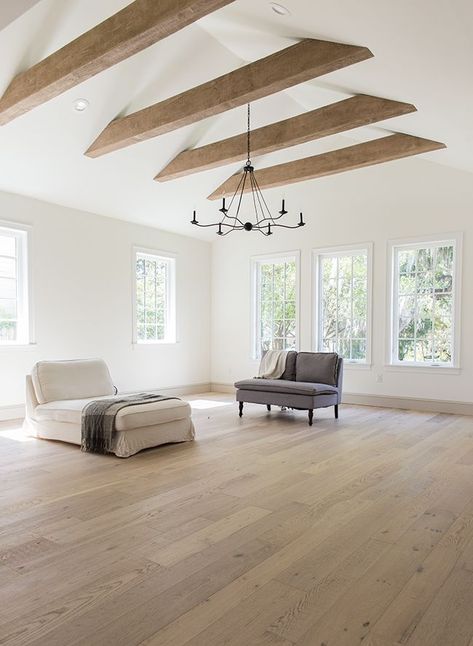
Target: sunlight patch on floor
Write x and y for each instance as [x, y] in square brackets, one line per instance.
[17, 434]
[202, 404]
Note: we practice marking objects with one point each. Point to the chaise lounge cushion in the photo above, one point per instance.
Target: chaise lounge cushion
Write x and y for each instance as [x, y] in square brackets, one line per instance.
[129, 418]
[286, 387]
[317, 367]
[54, 380]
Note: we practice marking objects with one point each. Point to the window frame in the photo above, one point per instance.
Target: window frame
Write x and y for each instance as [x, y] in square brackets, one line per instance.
[255, 292]
[340, 251]
[420, 242]
[22, 234]
[171, 308]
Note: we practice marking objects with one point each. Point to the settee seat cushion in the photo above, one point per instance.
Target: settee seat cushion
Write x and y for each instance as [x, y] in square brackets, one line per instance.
[128, 418]
[286, 387]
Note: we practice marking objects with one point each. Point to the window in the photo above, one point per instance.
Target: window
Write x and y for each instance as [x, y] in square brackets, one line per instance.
[275, 303]
[14, 310]
[343, 302]
[424, 284]
[154, 302]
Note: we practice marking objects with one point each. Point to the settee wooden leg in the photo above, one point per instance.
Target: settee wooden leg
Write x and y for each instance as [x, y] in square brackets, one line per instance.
[240, 409]
[336, 411]
[268, 406]
[311, 416]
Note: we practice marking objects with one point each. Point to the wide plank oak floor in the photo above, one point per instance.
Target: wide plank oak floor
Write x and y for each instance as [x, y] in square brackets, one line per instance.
[262, 532]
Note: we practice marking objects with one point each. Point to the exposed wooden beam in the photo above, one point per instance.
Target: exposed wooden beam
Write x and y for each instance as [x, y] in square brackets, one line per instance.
[134, 28]
[355, 112]
[296, 64]
[368, 153]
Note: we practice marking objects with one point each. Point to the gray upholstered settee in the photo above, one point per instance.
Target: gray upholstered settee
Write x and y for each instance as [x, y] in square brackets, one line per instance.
[310, 380]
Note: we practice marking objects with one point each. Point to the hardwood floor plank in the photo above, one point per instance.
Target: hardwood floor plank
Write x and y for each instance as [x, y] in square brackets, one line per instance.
[448, 619]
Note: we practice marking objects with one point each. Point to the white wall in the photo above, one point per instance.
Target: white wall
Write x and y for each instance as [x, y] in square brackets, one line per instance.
[399, 199]
[82, 291]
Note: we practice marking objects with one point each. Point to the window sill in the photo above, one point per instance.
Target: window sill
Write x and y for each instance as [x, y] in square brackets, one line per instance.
[147, 344]
[443, 370]
[353, 365]
[17, 346]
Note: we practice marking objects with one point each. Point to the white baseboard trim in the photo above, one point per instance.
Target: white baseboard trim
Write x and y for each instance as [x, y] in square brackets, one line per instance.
[8, 413]
[192, 389]
[389, 401]
[410, 403]
[222, 388]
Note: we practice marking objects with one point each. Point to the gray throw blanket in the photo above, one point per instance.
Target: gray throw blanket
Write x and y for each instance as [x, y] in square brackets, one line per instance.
[98, 419]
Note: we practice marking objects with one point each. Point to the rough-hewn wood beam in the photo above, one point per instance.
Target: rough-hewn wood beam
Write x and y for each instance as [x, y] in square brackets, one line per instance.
[355, 112]
[296, 64]
[369, 153]
[137, 26]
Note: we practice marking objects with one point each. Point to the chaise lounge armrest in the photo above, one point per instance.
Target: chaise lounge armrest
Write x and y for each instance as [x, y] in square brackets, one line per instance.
[286, 387]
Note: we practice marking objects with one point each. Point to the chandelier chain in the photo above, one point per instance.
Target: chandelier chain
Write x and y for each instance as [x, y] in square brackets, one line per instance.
[248, 161]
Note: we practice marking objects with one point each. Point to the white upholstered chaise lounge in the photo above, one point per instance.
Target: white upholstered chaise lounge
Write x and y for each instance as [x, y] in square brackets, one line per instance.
[57, 391]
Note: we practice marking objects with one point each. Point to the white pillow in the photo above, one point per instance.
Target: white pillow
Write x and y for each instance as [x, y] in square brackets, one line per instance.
[57, 380]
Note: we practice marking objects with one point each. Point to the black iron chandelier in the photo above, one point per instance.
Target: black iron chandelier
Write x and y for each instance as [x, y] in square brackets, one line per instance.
[263, 221]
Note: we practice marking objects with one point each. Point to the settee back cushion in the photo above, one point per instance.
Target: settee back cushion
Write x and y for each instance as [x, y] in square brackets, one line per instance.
[58, 380]
[289, 373]
[317, 367]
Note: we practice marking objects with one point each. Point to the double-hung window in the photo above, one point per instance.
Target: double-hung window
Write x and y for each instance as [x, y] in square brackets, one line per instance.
[275, 299]
[342, 280]
[14, 305]
[154, 297]
[424, 302]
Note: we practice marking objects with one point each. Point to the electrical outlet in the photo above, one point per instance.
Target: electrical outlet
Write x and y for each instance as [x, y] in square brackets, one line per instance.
[379, 379]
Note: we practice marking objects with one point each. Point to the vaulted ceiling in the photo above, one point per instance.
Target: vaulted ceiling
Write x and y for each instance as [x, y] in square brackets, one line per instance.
[422, 55]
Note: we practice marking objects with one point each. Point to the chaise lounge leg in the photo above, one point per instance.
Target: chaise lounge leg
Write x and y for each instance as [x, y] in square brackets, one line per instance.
[240, 409]
[336, 411]
[311, 416]
[268, 406]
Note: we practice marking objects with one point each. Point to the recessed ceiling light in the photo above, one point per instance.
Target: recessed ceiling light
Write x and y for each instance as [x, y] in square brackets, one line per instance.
[280, 9]
[80, 105]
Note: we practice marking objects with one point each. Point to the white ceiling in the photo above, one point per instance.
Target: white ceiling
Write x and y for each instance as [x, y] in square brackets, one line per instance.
[11, 9]
[423, 54]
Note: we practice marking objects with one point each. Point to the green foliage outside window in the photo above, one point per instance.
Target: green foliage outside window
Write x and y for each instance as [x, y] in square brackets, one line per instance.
[424, 307]
[344, 305]
[151, 281]
[277, 305]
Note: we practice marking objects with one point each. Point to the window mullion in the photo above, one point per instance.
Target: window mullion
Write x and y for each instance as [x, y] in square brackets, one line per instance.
[416, 305]
[351, 307]
[432, 333]
[337, 313]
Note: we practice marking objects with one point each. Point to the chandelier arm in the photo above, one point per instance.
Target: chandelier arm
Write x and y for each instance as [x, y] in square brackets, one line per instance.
[262, 197]
[256, 201]
[287, 226]
[231, 230]
[258, 197]
[254, 197]
[241, 197]
[242, 178]
[216, 224]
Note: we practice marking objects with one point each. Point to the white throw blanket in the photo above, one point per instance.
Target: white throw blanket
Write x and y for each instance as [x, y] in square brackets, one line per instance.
[273, 364]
